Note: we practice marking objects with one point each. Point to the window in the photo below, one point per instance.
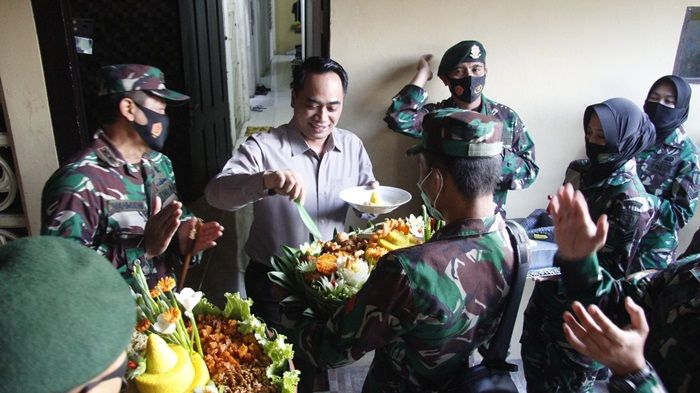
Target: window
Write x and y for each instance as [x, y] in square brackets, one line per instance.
[687, 63]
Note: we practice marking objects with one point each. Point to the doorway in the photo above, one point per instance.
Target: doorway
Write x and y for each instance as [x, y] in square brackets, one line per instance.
[183, 38]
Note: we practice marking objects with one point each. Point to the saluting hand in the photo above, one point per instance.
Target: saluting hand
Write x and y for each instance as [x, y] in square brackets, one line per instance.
[423, 73]
[286, 182]
[161, 227]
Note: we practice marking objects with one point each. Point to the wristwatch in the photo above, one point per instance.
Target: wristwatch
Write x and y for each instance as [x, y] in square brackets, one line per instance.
[631, 382]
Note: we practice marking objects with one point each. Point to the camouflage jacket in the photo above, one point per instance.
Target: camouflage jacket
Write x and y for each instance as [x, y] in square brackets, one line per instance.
[405, 115]
[103, 202]
[630, 212]
[423, 310]
[671, 301]
[670, 171]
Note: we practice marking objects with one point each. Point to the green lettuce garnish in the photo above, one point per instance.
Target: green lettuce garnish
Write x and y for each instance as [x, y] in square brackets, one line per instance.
[236, 307]
[279, 352]
[206, 307]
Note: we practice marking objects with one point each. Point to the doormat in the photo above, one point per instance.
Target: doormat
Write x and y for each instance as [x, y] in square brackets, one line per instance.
[256, 129]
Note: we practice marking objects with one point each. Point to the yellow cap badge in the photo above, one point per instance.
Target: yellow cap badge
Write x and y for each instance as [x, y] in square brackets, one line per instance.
[475, 52]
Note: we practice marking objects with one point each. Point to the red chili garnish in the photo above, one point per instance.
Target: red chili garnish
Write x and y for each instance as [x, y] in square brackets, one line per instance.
[132, 364]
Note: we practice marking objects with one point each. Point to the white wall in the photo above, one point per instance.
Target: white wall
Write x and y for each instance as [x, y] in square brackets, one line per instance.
[27, 104]
[547, 59]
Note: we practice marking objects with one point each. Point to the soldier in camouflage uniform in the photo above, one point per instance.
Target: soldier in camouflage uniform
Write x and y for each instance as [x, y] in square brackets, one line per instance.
[425, 309]
[669, 300]
[463, 70]
[616, 131]
[669, 170]
[118, 196]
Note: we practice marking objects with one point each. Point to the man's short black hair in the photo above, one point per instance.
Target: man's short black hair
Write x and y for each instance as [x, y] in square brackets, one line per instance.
[107, 106]
[474, 176]
[317, 65]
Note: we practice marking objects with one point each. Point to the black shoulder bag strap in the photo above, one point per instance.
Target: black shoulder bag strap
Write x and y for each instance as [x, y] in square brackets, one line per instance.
[498, 348]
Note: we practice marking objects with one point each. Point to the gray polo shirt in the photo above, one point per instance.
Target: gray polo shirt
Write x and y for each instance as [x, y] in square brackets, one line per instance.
[276, 221]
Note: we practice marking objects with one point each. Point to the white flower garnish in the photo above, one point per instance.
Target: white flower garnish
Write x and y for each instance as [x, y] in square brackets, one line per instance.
[356, 273]
[163, 326]
[188, 298]
[416, 226]
[327, 284]
[306, 267]
[314, 248]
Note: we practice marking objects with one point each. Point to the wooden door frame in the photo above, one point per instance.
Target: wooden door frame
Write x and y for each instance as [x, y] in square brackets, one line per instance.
[61, 73]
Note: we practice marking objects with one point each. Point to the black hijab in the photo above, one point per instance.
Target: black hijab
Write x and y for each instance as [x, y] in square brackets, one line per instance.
[666, 119]
[628, 131]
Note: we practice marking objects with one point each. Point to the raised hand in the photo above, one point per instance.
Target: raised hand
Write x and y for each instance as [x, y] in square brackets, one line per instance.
[423, 73]
[595, 336]
[161, 227]
[286, 182]
[576, 234]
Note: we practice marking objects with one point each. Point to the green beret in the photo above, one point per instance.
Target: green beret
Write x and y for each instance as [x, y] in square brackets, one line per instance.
[122, 78]
[460, 133]
[465, 51]
[67, 315]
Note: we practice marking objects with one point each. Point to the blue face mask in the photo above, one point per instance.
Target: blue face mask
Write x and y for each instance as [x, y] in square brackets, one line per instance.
[430, 205]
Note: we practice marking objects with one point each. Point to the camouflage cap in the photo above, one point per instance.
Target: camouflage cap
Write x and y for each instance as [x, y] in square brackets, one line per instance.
[460, 133]
[120, 78]
[465, 51]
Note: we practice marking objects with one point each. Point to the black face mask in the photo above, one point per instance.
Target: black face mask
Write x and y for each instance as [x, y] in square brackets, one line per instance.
[665, 119]
[471, 87]
[155, 131]
[594, 151]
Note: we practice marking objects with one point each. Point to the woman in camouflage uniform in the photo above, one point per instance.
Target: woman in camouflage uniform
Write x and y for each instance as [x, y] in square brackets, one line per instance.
[616, 131]
[669, 170]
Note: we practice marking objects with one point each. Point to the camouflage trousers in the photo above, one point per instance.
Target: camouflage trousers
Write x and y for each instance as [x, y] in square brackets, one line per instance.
[549, 362]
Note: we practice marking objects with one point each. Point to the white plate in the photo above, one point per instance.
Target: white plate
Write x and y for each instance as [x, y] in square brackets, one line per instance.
[391, 198]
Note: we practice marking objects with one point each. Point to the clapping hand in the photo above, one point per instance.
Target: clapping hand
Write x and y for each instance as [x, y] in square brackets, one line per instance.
[595, 336]
[576, 234]
[160, 228]
[205, 236]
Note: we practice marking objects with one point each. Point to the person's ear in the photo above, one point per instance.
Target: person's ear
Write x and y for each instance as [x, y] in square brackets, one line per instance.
[294, 97]
[486, 70]
[127, 108]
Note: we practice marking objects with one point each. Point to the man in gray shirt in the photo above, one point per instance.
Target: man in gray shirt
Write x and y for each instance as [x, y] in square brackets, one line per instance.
[308, 158]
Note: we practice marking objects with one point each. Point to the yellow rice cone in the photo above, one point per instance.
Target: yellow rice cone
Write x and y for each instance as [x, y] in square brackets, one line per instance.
[158, 378]
[159, 357]
[201, 373]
